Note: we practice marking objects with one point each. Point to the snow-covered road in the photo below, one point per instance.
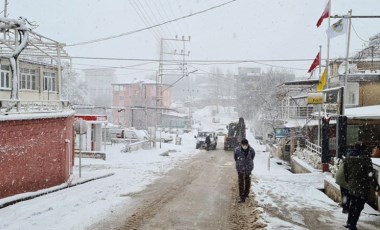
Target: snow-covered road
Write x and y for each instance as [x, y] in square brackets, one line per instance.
[281, 200]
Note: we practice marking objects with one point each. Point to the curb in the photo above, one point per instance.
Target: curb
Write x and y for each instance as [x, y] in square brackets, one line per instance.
[51, 190]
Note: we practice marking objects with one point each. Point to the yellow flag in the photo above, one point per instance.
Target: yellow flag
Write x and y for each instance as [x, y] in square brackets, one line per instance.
[322, 81]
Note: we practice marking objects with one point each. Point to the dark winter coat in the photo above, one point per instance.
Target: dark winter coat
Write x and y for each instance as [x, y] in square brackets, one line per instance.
[208, 140]
[359, 175]
[244, 159]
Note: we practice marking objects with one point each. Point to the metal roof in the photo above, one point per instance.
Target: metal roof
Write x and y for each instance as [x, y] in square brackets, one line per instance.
[302, 82]
[39, 47]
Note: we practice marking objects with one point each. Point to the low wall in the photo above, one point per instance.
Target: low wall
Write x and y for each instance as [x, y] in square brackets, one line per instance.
[298, 167]
[36, 151]
[129, 147]
[275, 150]
[332, 190]
[90, 154]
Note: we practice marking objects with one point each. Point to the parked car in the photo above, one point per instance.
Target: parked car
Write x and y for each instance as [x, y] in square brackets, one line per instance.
[220, 132]
[186, 130]
[117, 132]
[135, 135]
[201, 140]
[166, 138]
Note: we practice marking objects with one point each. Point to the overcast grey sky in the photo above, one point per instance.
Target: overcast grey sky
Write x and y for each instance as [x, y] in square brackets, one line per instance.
[245, 29]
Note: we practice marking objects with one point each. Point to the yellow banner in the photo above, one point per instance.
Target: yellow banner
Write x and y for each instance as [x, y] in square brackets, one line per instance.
[322, 81]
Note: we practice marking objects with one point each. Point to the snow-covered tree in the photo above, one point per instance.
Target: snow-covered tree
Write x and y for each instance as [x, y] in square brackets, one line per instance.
[22, 33]
[74, 89]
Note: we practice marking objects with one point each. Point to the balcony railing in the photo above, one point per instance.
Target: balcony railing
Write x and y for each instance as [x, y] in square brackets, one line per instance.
[313, 147]
[296, 112]
[8, 106]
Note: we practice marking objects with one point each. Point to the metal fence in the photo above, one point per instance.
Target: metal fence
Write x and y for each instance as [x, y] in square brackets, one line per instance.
[313, 147]
[296, 112]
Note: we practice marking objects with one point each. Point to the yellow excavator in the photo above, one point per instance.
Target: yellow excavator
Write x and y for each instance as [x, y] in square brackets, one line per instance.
[236, 132]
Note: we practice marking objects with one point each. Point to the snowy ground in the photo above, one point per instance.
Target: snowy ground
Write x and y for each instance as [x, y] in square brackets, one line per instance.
[80, 206]
[287, 200]
[294, 201]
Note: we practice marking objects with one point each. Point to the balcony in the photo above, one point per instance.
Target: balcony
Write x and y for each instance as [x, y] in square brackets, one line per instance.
[297, 112]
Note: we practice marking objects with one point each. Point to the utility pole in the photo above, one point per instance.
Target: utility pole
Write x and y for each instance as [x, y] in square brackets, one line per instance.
[5, 8]
[345, 98]
[166, 70]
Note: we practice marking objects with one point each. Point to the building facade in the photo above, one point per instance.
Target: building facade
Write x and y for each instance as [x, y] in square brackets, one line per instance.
[99, 86]
[37, 81]
[135, 103]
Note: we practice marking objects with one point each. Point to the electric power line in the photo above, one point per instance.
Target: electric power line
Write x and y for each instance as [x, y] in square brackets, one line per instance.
[145, 17]
[149, 27]
[197, 62]
[172, 11]
[237, 61]
[358, 34]
[116, 67]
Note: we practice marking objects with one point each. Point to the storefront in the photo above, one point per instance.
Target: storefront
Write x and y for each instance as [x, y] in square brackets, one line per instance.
[92, 134]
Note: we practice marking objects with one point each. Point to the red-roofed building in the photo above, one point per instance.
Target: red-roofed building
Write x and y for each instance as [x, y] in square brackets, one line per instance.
[135, 103]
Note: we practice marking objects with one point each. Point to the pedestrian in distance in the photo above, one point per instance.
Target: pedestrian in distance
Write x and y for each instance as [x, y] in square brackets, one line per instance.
[244, 155]
[359, 174]
[208, 142]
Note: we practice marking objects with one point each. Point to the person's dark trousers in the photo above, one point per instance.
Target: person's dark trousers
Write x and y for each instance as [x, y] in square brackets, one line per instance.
[345, 199]
[244, 185]
[355, 208]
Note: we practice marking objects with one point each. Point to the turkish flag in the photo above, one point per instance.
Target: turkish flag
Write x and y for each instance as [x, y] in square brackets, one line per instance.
[316, 62]
[325, 14]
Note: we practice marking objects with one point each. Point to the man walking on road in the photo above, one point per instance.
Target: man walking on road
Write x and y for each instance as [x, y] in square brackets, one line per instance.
[359, 174]
[244, 155]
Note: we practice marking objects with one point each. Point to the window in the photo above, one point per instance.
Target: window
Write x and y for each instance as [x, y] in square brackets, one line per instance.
[28, 79]
[5, 81]
[49, 81]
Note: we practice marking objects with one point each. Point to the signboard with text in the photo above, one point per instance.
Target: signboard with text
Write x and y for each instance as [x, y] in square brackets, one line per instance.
[315, 98]
[281, 132]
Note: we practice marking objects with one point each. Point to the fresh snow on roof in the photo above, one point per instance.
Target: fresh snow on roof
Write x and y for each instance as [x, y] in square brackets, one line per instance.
[135, 81]
[175, 114]
[364, 112]
[31, 116]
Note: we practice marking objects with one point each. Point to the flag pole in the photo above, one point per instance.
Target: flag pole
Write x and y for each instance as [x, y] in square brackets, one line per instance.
[347, 54]
[328, 51]
[320, 62]
[319, 106]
